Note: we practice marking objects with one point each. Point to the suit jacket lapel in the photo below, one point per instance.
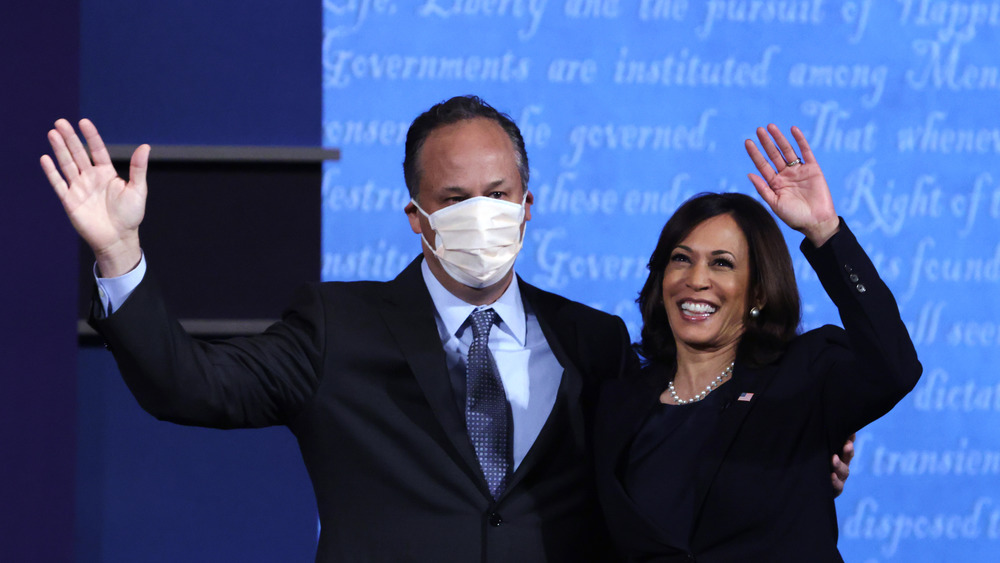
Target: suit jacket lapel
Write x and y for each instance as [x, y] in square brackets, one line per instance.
[570, 386]
[631, 401]
[409, 315]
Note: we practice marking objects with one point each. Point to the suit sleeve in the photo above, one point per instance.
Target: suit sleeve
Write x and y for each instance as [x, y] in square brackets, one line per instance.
[871, 364]
[242, 382]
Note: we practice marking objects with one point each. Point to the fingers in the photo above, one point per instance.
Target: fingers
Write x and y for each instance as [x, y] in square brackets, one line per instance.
[763, 185]
[763, 166]
[847, 453]
[764, 189]
[772, 151]
[138, 166]
[98, 152]
[61, 152]
[841, 469]
[76, 149]
[838, 485]
[787, 152]
[55, 178]
[779, 150]
[841, 463]
[72, 156]
[807, 154]
[839, 476]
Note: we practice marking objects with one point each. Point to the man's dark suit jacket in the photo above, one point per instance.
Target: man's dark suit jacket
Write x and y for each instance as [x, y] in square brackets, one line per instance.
[762, 492]
[357, 372]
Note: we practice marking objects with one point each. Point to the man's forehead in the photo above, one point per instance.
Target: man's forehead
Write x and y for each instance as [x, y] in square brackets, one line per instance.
[467, 140]
[473, 126]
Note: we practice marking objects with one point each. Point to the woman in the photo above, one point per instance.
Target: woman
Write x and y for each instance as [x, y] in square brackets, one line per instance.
[719, 450]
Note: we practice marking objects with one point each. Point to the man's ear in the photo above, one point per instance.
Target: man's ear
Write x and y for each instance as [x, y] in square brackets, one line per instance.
[413, 214]
[528, 200]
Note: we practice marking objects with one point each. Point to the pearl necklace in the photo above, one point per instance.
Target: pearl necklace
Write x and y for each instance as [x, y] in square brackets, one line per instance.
[708, 389]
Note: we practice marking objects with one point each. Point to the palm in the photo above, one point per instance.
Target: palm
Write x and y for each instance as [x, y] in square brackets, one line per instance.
[798, 194]
[102, 206]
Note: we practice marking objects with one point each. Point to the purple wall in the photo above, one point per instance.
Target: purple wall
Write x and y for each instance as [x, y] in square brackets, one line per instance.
[178, 73]
[40, 70]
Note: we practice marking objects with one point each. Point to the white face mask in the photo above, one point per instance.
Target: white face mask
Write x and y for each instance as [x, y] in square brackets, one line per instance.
[477, 239]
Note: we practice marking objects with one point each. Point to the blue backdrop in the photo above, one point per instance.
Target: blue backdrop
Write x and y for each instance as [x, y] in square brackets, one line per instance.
[630, 107]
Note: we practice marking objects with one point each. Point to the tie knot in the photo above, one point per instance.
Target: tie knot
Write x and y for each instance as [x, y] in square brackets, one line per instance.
[482, 320]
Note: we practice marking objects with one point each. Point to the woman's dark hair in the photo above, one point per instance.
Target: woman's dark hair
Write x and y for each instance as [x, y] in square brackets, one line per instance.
[772, 280]
[459, 108]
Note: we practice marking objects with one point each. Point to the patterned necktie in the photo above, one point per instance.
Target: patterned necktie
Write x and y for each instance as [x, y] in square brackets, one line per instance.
[487, 416]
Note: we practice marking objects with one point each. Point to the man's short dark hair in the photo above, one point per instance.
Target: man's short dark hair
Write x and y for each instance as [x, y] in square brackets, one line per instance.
[451, 111]
[772, 280]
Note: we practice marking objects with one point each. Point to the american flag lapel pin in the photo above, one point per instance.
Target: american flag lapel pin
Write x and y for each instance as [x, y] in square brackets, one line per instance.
[745, 397]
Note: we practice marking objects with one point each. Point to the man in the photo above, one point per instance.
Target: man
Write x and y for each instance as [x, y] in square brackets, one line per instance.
[442, 416]
[371, 377]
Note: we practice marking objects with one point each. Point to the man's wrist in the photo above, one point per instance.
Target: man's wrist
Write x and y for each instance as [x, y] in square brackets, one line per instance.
[119, 259]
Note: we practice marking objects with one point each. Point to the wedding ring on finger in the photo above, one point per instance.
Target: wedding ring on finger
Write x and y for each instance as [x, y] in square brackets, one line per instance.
[794, 162]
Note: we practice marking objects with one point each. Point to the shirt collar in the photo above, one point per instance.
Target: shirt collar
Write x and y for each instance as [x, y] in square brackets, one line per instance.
[453, 311]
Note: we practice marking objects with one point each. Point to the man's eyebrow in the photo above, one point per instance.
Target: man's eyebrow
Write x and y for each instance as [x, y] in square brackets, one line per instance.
[459, 190]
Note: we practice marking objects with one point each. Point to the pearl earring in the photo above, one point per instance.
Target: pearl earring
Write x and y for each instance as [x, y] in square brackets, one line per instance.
[754, 313]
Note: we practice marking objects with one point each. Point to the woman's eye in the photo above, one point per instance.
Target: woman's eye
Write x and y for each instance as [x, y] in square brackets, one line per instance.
[723, 262]
[679, 258]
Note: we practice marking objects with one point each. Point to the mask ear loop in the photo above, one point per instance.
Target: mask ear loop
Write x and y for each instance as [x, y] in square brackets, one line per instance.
[422, 237]
[524, 200]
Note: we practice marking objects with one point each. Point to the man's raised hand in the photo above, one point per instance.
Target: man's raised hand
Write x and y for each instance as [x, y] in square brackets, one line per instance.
[105, 209]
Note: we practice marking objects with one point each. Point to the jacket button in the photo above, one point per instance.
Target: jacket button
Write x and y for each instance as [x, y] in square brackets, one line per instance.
[853, 278]
[848, 269]
[861, 288]
[495, 519]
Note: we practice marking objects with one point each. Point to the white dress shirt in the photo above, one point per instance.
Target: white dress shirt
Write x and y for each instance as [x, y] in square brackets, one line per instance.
[529, 370]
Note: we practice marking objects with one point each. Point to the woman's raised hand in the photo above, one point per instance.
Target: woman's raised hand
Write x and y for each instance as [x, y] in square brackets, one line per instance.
[794, 186]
